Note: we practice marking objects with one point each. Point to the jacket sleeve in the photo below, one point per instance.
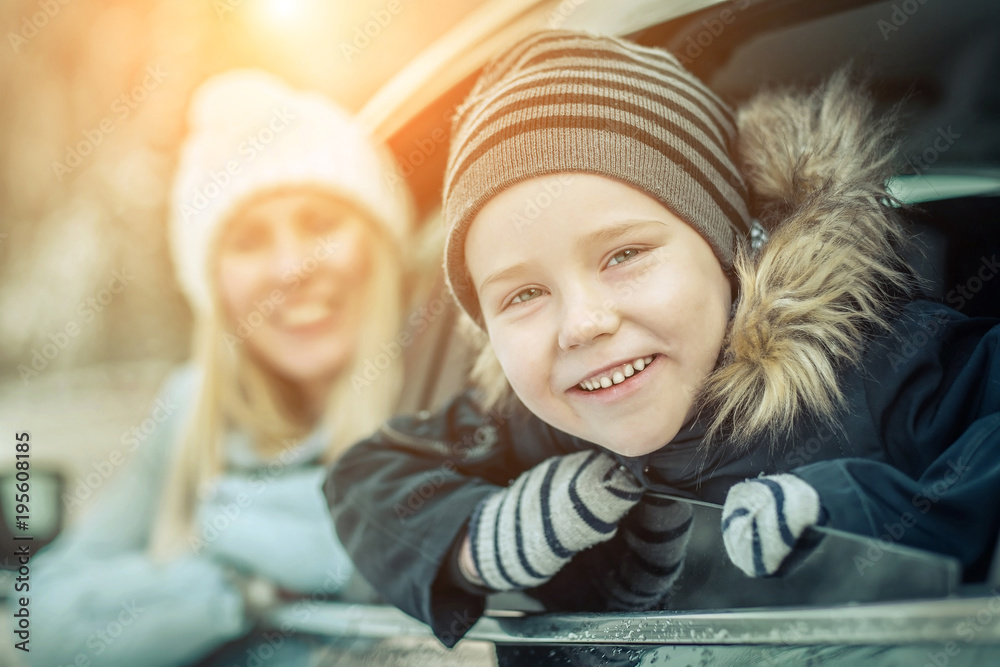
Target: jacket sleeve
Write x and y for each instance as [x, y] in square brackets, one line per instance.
[95, 593]
[952, 508]
[401, 500]
[933, 392]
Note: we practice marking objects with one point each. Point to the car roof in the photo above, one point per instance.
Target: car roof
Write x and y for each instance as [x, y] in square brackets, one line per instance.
[940, 61]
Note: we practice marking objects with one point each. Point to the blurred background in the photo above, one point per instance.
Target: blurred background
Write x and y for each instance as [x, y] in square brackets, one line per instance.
[94, 99]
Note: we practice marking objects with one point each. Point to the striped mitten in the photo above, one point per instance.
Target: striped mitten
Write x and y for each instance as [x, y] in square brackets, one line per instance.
[763, 519]
[524, 534]
[656, 535]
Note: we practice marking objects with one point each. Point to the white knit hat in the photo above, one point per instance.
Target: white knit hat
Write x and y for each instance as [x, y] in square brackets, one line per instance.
[250, 132]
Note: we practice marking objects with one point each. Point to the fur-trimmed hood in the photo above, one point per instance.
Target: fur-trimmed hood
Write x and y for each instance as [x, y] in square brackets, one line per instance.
[833, 270]
[831, 274]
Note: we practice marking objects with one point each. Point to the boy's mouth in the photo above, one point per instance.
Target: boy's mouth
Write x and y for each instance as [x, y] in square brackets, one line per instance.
[615, 375]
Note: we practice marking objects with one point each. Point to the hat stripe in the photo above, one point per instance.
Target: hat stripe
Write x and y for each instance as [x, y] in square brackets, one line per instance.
[503, 64]
[705, 121]
[563, 101]
[497, 134]
[674, 73]
[553, 104]
[735, 217]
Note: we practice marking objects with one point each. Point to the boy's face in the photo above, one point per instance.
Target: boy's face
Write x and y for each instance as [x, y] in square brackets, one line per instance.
[606, 310]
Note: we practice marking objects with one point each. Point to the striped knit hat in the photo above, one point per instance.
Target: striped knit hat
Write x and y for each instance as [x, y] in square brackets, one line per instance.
[561, 101]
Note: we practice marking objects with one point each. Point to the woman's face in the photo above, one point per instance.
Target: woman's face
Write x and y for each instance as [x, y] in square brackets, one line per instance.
[292, 272]
[605, 310]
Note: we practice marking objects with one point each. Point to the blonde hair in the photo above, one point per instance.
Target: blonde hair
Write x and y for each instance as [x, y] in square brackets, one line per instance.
[492, 389]
[236, 391]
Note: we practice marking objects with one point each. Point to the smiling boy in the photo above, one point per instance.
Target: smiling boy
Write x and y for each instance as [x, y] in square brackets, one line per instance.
[644, 346]
[600, 243]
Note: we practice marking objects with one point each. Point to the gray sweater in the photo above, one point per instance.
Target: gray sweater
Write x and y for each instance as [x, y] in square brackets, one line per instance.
[96, 593]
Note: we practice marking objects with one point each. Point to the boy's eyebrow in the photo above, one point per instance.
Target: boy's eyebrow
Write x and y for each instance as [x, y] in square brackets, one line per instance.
[613, 233]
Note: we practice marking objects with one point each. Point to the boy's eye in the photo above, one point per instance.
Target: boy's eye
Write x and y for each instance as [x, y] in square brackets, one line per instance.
[623, 256]
[526, 295]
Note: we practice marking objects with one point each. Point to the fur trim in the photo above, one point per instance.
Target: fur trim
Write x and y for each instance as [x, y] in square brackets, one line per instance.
[832, 272]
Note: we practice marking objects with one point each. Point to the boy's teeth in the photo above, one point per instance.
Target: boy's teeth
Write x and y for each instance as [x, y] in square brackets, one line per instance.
[617, 376]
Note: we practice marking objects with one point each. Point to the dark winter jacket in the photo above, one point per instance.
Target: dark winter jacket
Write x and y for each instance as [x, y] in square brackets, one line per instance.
[918, 442]
[887, 404]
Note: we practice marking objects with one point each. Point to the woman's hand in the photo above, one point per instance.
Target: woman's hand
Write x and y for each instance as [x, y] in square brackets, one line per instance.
[276, 527]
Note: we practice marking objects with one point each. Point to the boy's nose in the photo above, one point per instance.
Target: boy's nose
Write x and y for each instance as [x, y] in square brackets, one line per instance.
[585, 318]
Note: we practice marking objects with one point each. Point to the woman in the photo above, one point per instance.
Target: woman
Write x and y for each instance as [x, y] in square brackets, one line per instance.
[286, 242]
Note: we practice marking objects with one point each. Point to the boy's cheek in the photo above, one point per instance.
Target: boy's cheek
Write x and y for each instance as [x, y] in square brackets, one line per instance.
[517, 366]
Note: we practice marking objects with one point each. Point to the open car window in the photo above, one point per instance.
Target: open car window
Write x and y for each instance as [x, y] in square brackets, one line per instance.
[939, 66]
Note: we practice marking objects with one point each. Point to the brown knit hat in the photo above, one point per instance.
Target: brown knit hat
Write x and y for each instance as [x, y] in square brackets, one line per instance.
[561, 101]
